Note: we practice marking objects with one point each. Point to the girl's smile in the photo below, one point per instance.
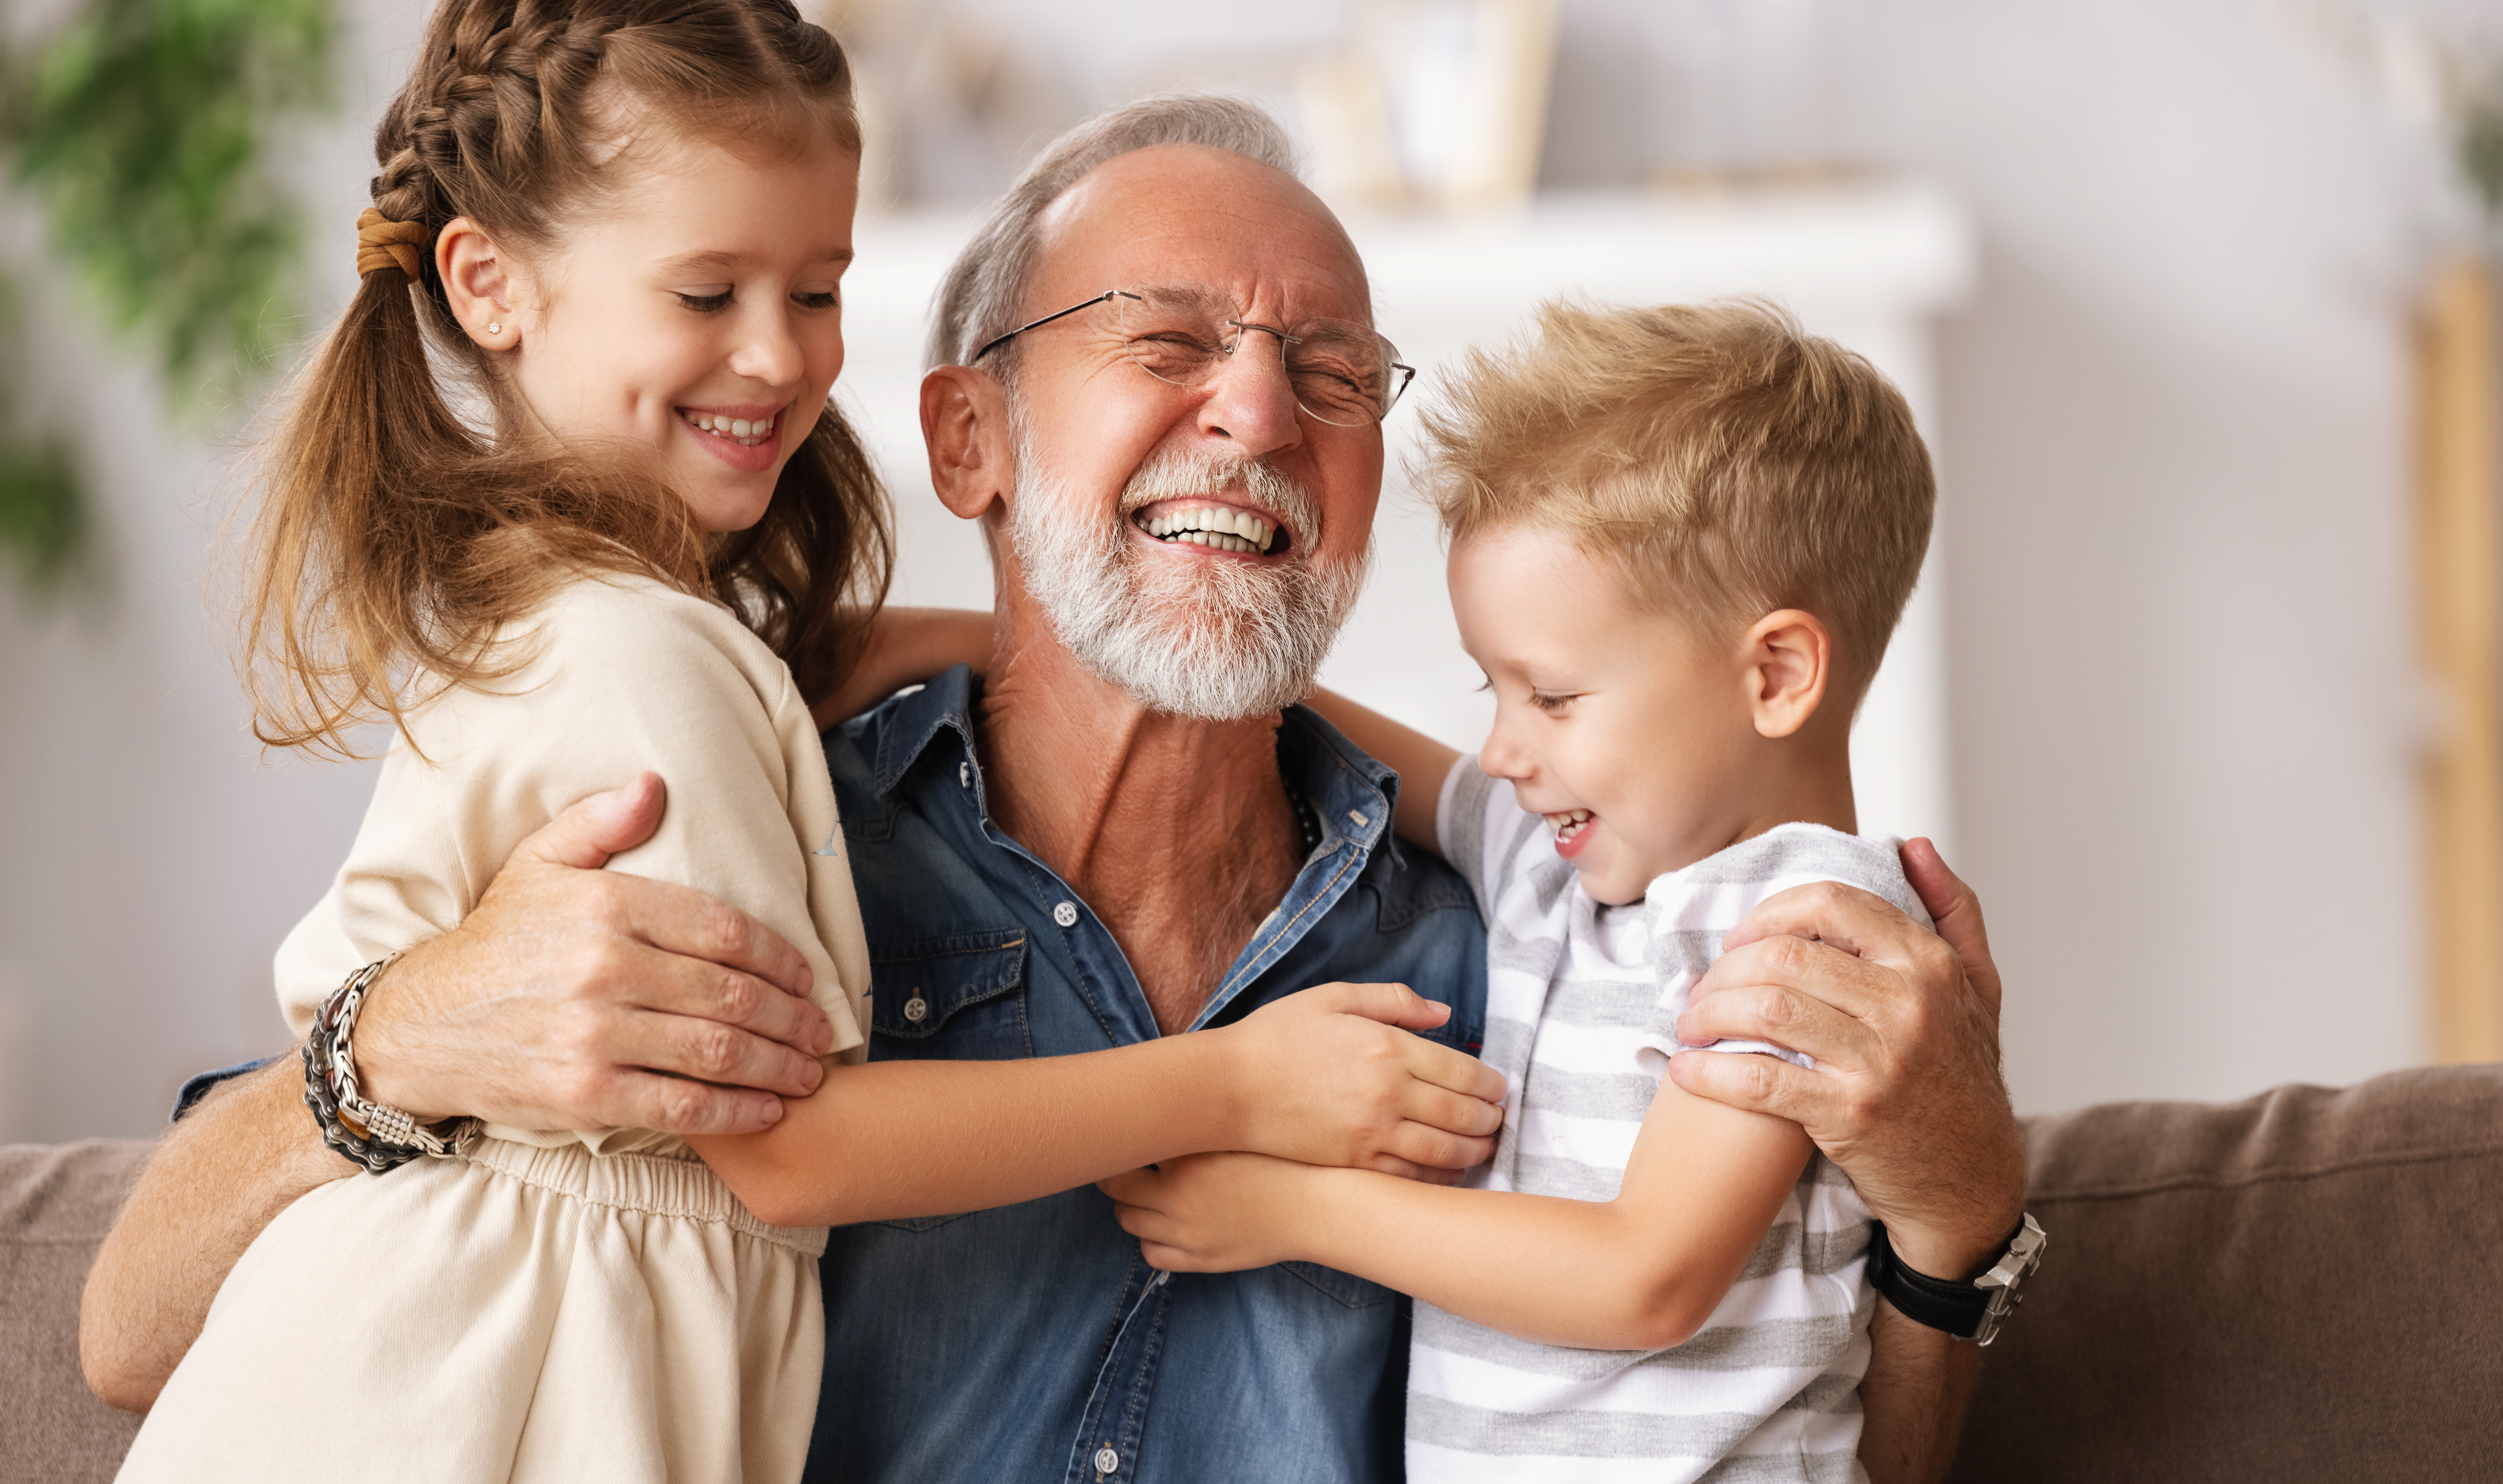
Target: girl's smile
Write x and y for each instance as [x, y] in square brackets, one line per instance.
[747, 438]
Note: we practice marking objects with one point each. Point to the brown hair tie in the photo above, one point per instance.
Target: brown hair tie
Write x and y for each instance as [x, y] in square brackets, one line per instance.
[381, 243]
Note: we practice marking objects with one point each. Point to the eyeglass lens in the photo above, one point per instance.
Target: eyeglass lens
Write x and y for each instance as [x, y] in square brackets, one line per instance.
[1343, 373]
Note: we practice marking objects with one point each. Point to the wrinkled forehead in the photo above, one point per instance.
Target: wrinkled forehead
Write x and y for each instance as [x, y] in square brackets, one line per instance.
[1190, 220]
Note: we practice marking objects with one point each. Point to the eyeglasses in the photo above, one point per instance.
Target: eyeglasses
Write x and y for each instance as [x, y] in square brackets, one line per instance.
[1343, 373]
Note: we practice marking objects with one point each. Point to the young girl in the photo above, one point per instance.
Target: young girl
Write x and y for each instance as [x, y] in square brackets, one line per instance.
[623, 227]
[618, 225]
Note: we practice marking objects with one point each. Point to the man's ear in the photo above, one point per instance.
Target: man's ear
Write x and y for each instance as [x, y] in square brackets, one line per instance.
[965, 426]
[1788, 659]
[481, 284]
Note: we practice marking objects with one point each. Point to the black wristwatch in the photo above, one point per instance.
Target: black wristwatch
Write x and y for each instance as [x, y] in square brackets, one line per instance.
[1971, 1310]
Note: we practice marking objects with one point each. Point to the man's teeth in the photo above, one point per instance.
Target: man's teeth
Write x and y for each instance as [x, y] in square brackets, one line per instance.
[738, 430]
[1221, 526]
[1568, 823]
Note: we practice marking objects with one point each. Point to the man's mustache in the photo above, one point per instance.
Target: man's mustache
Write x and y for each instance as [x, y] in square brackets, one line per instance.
[1172, 475]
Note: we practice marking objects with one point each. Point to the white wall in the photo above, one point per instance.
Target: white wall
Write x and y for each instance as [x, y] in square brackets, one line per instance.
[2183, 684]
[2172, 447]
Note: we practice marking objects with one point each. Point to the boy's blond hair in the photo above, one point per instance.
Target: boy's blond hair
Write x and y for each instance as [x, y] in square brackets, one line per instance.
[1733, 463]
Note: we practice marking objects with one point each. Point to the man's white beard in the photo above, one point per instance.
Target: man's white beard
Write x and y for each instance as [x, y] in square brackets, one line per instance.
[1215, 640]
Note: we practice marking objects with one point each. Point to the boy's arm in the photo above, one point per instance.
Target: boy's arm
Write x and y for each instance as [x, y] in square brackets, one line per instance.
[1422, 762]
[1326, 1076]
[905, 645]
[1643, 1271]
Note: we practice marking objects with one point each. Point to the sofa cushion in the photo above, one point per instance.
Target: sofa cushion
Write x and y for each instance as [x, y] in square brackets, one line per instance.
[55, 1202]
[2308, 1285]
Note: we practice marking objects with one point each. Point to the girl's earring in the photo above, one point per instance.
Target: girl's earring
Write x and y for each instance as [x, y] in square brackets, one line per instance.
[493, 328]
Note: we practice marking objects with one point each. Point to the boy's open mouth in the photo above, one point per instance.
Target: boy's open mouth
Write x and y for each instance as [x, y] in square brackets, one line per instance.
[1223, 527]
[1568, 823]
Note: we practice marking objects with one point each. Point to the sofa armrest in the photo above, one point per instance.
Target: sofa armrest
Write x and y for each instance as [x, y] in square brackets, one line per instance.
[2308, 1285]
[55, 1204]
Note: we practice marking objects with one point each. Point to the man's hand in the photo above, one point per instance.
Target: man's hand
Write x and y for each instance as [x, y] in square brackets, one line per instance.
[1903, 1025]
[1211, 1212]
[574, 998]
[1328, 1076]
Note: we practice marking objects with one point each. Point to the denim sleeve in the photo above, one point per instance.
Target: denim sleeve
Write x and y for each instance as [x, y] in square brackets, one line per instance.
[197, 1088]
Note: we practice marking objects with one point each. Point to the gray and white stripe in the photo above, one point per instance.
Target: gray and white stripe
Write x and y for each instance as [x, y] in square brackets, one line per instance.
[1582, 1006]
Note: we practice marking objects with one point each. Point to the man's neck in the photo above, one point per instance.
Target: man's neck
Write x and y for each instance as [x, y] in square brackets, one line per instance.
[1177, 832]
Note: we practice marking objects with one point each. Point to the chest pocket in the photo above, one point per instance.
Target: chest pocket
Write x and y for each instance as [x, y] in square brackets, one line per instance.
[957, 999]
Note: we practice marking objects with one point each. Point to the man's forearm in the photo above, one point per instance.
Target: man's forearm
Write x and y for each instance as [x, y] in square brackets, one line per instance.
[216, 1178]
[1913, 1399]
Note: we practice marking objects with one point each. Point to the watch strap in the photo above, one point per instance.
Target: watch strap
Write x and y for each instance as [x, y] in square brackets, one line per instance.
[1972, 1309]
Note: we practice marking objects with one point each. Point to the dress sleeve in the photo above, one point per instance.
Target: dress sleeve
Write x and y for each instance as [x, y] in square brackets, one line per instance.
[625, 676]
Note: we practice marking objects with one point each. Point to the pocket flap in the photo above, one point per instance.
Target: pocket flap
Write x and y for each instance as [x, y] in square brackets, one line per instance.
[915, 988]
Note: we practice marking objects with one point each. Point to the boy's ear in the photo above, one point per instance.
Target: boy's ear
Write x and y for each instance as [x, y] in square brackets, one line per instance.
[1789, 659]
[965, 427]
[480, 284]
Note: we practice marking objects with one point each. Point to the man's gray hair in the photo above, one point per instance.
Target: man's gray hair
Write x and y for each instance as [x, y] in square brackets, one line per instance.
[979, 299]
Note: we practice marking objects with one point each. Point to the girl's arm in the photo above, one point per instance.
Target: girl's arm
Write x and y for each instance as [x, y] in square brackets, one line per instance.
[1420, 761]
[905, 645]
[1322, 1076]
[1643, 1271]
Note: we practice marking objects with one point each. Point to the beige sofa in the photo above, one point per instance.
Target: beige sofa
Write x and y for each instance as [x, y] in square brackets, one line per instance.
[2305, 1286]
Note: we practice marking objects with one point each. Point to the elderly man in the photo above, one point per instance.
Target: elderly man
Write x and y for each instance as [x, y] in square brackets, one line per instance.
[1157, 389]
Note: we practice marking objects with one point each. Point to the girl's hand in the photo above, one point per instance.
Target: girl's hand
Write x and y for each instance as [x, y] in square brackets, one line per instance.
[906, 645]
[1332, 1076]
[1213, 1212]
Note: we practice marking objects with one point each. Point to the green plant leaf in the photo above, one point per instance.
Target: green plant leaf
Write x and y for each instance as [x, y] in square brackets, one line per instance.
[2481, 145]
[43, 519]
[143, 127]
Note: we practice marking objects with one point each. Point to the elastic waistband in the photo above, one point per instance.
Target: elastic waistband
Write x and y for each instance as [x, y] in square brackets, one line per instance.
[639, 1182]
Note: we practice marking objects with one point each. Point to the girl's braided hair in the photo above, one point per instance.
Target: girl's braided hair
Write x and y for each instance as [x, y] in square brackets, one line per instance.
[396, 537]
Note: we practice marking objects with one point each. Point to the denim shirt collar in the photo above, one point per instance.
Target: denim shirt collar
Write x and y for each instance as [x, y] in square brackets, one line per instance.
[1353, 795]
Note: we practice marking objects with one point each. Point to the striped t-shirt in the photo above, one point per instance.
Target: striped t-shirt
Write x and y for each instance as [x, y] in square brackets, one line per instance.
[1582, 1007]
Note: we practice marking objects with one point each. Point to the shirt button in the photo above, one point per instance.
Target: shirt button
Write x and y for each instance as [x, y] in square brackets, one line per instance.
[916, 1009]
[1066, 915]
[1106, 1460]
[964, 775]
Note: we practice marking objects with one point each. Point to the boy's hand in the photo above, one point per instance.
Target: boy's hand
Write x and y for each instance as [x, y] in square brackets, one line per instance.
[1213, 1212]
[1328, 1076]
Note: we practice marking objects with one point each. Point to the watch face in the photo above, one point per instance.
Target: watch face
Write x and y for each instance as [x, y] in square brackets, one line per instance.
[2024, 1253]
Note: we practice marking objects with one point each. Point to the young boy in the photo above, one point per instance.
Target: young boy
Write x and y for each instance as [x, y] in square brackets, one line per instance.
[1680, 540]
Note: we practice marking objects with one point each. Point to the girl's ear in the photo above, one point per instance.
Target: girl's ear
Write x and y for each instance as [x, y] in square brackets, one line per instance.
[1790, 658]
[480, 284]
[964, 425]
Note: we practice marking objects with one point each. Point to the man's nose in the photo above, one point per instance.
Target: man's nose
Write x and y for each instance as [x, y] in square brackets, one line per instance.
[1250, 401]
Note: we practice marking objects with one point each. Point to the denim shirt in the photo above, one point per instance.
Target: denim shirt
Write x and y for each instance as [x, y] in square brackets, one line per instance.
[1032, 1342]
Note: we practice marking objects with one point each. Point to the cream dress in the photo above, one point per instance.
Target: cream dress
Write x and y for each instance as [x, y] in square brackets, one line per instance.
[559, 1306]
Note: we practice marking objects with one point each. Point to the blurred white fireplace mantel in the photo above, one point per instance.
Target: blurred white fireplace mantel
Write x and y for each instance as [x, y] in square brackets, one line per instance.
[1871, 265]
